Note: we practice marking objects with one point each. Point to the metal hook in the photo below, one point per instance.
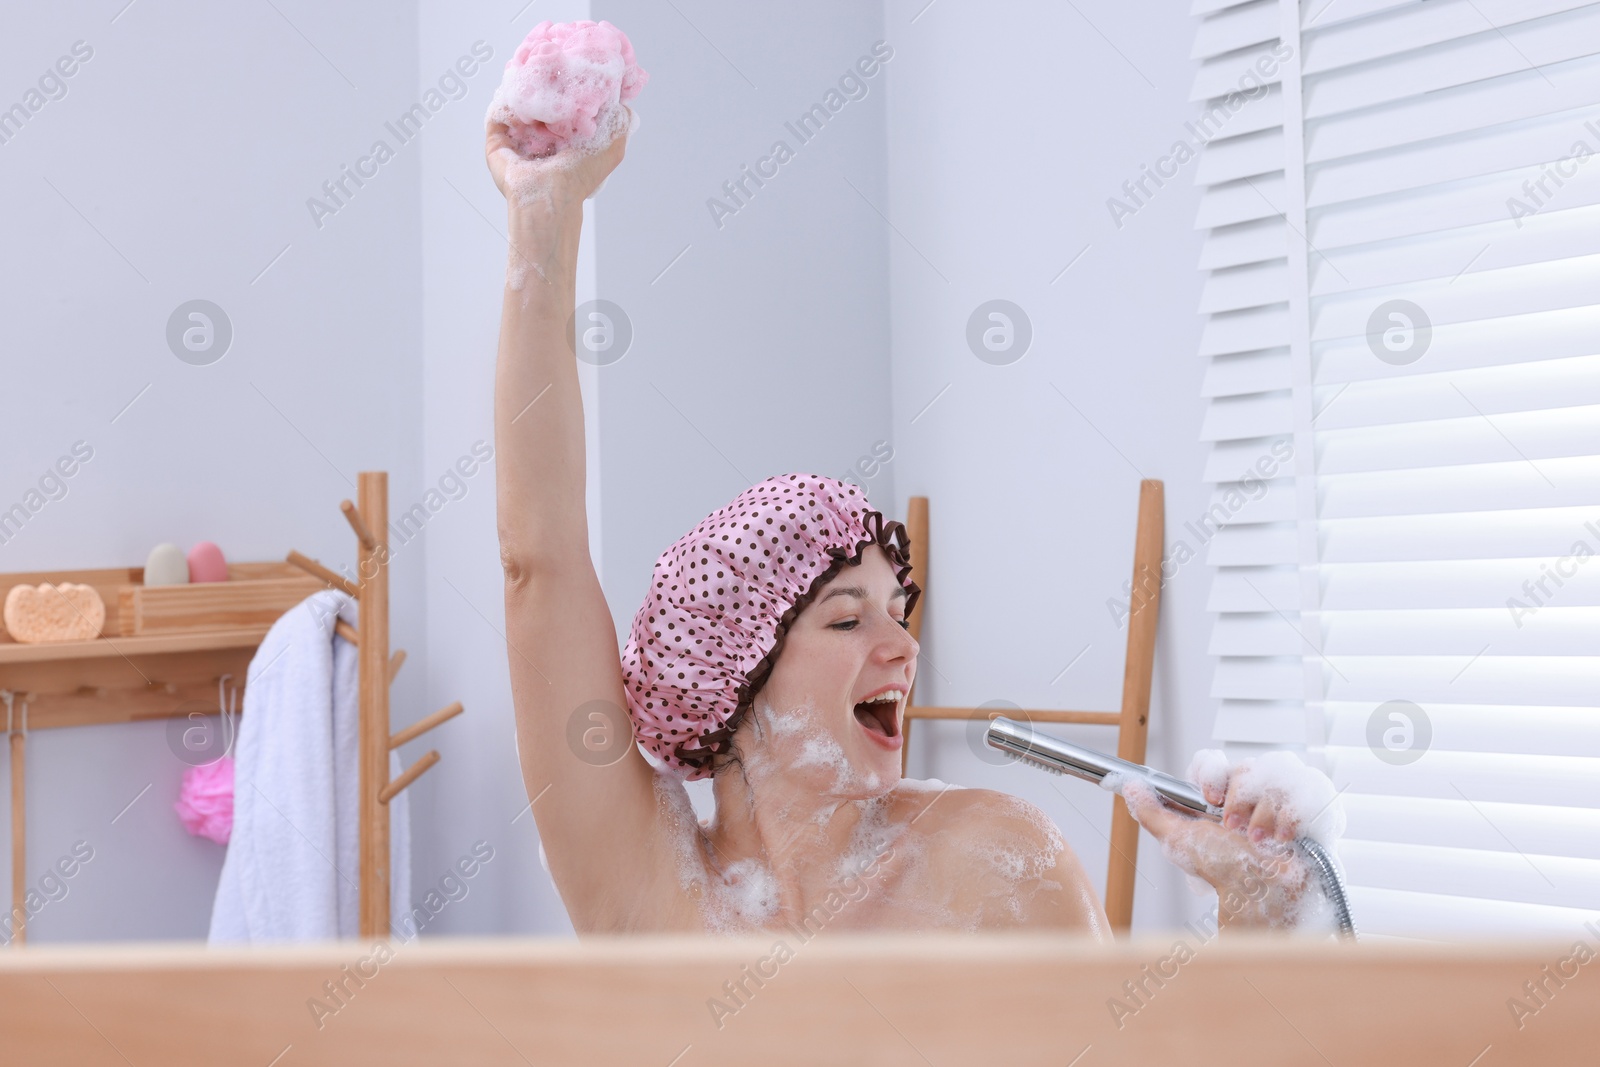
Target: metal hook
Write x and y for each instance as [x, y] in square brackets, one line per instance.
[8, 696]
[227, 707]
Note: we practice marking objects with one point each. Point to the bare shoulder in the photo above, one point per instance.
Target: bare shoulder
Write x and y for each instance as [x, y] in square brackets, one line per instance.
[1006, 857]
[966, 813]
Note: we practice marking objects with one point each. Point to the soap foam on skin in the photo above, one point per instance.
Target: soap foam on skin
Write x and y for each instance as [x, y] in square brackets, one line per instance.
[746, 898]
[1027, 866]
[1209, 770]
[824, 751]
[1303, 793]
[874, 836]
[528, 182]
[818, 748]
[1021, 871]
[926, 785]
[739, 897]
[745, 894]
[672, 801]
[1306, 795]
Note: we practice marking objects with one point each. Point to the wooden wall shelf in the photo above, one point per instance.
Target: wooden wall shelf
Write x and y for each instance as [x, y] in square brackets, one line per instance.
[126, 677]
[138, 645]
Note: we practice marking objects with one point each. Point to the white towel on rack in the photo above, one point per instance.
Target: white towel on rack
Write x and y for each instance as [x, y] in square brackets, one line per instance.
[292, 870]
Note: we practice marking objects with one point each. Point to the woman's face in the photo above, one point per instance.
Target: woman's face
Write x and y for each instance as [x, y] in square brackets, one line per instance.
[848, 644]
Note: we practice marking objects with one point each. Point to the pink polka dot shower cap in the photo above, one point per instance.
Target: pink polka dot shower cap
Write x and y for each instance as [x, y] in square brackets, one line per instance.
[722, 598]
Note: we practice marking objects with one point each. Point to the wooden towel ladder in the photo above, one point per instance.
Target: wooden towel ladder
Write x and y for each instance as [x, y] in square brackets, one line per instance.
[1132, 721]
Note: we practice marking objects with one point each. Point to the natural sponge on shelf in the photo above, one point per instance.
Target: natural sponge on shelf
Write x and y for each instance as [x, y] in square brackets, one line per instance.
[45, 612]
[565, 86]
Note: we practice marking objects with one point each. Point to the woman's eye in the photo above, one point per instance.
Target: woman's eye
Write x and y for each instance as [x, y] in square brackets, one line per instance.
[848, 624]
[905, 624]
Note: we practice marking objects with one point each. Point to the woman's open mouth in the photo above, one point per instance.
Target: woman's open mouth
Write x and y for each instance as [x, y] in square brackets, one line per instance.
[880, 717]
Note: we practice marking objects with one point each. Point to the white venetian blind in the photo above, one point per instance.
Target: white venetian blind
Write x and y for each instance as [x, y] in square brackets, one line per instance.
[1403, 296]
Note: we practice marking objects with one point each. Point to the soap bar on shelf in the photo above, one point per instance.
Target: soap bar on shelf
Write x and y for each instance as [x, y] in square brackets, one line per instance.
[166, 565]
[206, 564]
[45, 612]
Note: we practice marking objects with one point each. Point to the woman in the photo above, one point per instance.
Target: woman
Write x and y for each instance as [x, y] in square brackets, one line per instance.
[761, 678]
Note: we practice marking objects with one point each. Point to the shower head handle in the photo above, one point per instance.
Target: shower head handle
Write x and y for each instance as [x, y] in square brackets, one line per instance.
[1064, 757]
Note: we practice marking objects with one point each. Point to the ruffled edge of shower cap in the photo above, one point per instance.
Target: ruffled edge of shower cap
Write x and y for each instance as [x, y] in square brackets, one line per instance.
[693, 763]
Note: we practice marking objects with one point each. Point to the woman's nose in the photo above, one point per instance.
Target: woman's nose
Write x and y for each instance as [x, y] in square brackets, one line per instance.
[897, 640]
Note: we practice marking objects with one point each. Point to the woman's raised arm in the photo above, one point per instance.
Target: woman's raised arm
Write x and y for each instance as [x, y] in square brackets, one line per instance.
[538, 411]
[592, 791]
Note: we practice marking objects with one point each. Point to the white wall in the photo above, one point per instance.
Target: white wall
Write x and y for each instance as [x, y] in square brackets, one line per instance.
[476, 791]
[997, 182]
[762, 350]
[177, 166]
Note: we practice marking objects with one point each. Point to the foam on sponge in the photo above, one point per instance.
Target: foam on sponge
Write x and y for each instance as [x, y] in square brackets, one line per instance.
[565, 86]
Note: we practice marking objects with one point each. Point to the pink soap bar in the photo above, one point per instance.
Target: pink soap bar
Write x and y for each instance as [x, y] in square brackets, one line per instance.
[564, 85]
[206, 563]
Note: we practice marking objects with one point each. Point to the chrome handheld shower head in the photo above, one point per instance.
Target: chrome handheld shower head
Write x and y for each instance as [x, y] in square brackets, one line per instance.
[1063, 757]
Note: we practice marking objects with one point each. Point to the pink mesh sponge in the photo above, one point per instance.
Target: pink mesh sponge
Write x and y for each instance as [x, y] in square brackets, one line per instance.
[205, 802]
[721, 599]
[566, 84]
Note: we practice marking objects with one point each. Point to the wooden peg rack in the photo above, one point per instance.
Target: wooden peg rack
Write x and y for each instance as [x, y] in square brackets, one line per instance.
[375, 670]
